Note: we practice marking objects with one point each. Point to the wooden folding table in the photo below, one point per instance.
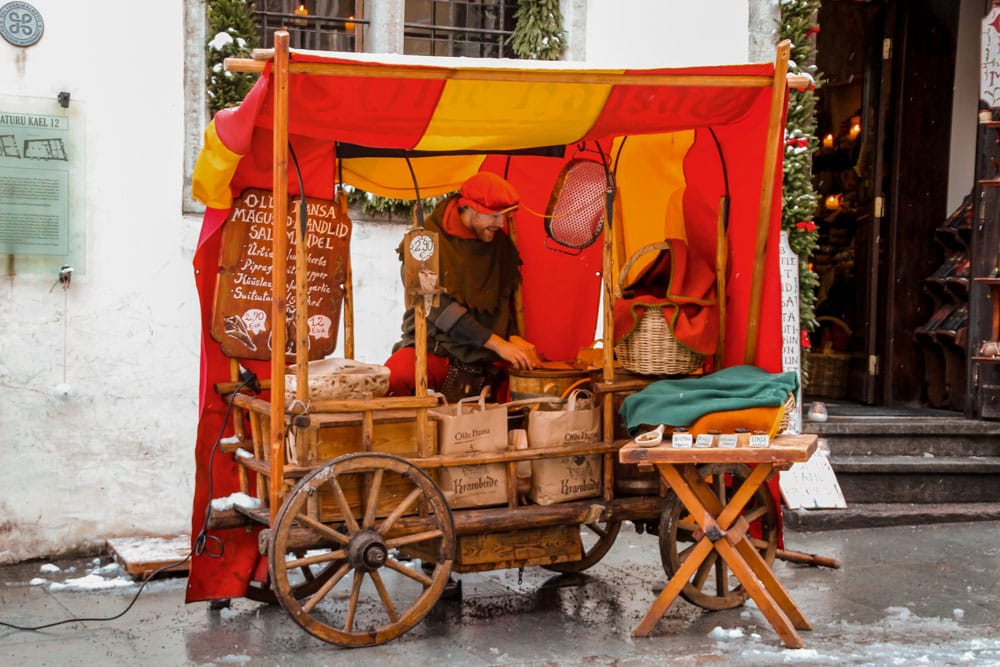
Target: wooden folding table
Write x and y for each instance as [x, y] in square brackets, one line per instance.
[723, 527]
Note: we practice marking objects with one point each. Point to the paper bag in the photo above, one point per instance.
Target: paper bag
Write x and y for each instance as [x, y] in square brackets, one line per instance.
[472, 427]
[565, 478]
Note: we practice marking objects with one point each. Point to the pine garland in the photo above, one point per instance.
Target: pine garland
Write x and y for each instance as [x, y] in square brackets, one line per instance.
[798, 25]
[232, 33]
[538, 33]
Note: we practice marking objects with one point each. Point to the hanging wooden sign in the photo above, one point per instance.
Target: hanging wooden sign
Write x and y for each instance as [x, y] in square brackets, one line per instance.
[241, 322]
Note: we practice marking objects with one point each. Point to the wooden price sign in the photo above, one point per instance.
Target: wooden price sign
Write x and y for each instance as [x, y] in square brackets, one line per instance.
[241, 322]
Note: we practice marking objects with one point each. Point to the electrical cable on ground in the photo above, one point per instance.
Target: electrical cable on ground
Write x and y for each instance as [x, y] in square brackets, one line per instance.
[247, 379]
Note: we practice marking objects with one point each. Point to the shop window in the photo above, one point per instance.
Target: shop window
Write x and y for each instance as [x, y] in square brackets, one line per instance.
[324, 25]
[473, 28]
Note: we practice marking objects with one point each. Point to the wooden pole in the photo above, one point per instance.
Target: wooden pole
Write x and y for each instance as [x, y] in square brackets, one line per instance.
[721, 260]
[301, 308]
[771, 148]
[279, 250]
[348, 307]
[518, 294]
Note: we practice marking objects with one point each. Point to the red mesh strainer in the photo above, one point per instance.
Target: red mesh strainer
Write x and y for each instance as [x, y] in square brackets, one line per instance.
[575, 214]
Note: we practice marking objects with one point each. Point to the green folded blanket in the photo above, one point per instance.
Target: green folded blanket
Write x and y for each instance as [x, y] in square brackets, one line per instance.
[681, 402]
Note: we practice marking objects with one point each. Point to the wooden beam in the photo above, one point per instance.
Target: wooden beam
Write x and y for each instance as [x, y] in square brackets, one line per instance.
[550, 76]
[278, 286]
[771, 149]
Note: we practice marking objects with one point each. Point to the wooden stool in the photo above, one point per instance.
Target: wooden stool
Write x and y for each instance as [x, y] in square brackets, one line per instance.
[725, 531]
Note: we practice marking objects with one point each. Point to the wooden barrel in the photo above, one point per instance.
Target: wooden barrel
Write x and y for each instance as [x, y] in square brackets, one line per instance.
[543, 382]
[632, 479]
[635, 480]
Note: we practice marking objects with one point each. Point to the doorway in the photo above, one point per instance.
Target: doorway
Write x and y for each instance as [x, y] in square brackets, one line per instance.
[884, 122]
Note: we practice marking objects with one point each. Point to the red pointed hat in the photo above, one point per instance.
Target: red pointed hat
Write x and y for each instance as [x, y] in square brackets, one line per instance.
[488, 193]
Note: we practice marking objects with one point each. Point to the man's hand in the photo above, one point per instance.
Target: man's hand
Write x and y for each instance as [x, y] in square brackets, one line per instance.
[517, 356]
[529, 349]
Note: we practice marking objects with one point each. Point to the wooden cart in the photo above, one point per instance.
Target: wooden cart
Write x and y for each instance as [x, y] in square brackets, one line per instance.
[359, 537]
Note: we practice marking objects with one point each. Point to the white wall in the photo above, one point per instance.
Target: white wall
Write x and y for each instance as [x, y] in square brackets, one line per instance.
[115, 456]
[659, 33]
[965, 104]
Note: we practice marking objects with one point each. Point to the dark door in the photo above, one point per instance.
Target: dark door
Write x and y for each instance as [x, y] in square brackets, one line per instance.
[884, 117]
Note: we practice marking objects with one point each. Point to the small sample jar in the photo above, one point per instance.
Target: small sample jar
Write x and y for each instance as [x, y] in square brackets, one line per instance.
[681, 438]
[759, 439]
[742, 437]
[726, 441]
[705, 440]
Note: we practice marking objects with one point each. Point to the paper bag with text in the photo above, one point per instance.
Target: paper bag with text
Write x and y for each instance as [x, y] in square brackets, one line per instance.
[565, 478]
[472, 427]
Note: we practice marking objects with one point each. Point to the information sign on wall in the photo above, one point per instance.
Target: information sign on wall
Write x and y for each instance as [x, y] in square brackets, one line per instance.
[242, 322]
[34, 183]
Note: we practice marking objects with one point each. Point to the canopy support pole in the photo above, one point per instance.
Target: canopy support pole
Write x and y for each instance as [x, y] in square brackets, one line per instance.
[778, 88]
[279, 215]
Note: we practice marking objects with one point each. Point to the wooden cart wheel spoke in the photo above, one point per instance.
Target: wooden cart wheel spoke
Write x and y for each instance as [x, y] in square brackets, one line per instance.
[704, 570]
[339, 505]
[352, 604]
[599, 530]
[755, 513]
[683, 554]
[721, 577]
[373, 495]
[677, 531]
[416, 575]
[400, 510]
[325, 589]
[413, 539]
[329, 557]
[322, 529]
[344, 505]
[390, 608]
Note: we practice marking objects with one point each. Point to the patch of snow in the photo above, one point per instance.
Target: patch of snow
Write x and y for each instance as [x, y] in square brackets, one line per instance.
[720, 633]
[227, 613]
[220, 41]
[238, 499]
[91, 582]
[110, 568]
[959, 614]
[49, 568]
[38, 581]
[235, 659]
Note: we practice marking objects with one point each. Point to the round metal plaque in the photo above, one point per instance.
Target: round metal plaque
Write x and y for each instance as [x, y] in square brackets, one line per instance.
[21, 24]
[421, 248]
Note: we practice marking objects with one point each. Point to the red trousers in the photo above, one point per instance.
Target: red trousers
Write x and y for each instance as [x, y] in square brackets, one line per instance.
[402, 380]
[402, 365]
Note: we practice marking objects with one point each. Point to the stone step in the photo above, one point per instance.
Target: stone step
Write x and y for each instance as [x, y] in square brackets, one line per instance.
[918, 479]
[868, 515]
[912, 436]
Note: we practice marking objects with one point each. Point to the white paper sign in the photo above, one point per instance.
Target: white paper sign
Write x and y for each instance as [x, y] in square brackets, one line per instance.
[812, 485]
[791, 334]
[989, 76]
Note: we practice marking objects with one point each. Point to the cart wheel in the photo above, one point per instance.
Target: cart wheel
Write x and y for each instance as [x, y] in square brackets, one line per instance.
[370, 597]
[721, 590]
[597, 539]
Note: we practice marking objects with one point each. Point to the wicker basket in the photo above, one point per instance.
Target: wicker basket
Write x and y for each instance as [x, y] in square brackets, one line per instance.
[650, 348]
[828, 370]
[828, 374]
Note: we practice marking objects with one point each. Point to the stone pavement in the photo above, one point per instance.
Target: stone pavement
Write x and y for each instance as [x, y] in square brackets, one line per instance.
[904, 595]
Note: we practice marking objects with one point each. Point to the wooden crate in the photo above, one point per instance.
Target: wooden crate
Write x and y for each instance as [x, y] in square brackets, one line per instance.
[393, 432]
